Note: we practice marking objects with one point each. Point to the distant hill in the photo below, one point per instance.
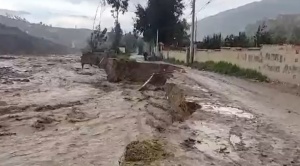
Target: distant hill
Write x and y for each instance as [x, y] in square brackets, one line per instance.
[283, 29]
[75, 38]
[15, 41]
[283, 23]
[235, 20]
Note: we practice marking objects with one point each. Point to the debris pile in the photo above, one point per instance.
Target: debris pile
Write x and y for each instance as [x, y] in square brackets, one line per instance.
[40, 123]
[143, 153]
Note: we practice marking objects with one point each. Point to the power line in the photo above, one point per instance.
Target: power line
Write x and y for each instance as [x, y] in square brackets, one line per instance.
[203, 7]
[192, 50]
[101, 3]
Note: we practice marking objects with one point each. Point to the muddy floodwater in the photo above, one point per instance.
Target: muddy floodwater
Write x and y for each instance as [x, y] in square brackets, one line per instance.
[53, 113]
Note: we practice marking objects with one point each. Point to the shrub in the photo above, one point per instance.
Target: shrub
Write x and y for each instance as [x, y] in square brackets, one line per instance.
[224, 68]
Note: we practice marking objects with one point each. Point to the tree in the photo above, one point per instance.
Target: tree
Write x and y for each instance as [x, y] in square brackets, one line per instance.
[295, 37]
[130, 42]
[262, 36]
[240, 40]
[97, 38]
[181, 37]
[117, 37]
[279, 34]
[211, 42]
[119, 6]
[162, 16]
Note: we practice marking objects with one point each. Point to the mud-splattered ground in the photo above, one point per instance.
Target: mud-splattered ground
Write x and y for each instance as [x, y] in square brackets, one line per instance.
[52, 113]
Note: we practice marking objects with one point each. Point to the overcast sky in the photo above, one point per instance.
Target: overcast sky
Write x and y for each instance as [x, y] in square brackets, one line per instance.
[81, 13]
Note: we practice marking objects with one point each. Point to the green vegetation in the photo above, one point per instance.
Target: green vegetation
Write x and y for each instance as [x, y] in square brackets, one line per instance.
[283, 30]
[263, 35]
[118, 7]
[229, 69]
[163, 16]
[225, 68]
[144, 153]
[174, 61]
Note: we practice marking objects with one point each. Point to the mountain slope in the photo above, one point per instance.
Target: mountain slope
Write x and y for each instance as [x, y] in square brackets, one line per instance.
[15, 41]
[75, 38]
[235, 20]
[283, 23]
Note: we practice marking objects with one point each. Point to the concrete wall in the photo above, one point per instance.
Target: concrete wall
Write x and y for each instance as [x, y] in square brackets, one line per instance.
[277, 62]
[178, 54]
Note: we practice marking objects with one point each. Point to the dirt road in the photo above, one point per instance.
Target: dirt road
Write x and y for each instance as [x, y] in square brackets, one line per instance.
[274, 105]
[54, 113]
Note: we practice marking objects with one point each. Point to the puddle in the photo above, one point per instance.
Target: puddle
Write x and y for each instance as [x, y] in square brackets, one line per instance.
[206, 135]
[208, 146]
[228, 111]
[221, 110]
[208, 129]
[212, 139]
[193, 99]
[199, 88]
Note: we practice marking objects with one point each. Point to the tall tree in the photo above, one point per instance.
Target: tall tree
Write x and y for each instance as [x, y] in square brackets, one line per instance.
[119, 7]
[240, 40]
[211, 42]
[163, 16]
[97, 38]
[130, 42]
[295, 37]
[262, 36]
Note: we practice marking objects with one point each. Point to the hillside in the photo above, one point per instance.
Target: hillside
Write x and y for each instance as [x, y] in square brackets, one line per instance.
[75, 38]
[283, 23]
[284, 29]
[235, 20]
[15, 41]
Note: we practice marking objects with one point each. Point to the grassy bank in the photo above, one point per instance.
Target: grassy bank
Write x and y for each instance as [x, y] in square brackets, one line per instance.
[224, 68]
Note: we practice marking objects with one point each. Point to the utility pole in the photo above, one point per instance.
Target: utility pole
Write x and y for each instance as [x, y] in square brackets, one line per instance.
[192, 51]
[196, 29]
[157, 49]
[195, 40]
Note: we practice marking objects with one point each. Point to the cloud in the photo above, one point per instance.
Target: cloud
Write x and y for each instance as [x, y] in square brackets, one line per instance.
[218, 6]
[81, 13]
[13, 12]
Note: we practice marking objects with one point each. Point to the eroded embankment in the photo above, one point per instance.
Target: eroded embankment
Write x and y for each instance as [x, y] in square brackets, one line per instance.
[160, 93]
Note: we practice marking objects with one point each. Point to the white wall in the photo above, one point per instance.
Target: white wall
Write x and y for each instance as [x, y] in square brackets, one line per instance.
[277, 62]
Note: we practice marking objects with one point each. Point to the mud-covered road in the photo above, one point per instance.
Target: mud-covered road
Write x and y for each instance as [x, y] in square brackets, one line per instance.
[53, 113]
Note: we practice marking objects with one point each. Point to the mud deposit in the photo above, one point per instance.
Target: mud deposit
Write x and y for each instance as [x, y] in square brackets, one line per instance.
[53, 113]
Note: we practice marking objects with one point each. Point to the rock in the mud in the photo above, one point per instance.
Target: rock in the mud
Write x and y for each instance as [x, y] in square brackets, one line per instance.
[143, 153]
[7, 82]
[58, 106]
[75, 116]
[25, 80]
[189, 144]
[181, 109]
[21, 80]
[40, 123]
[7, 57]
[7, 134]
